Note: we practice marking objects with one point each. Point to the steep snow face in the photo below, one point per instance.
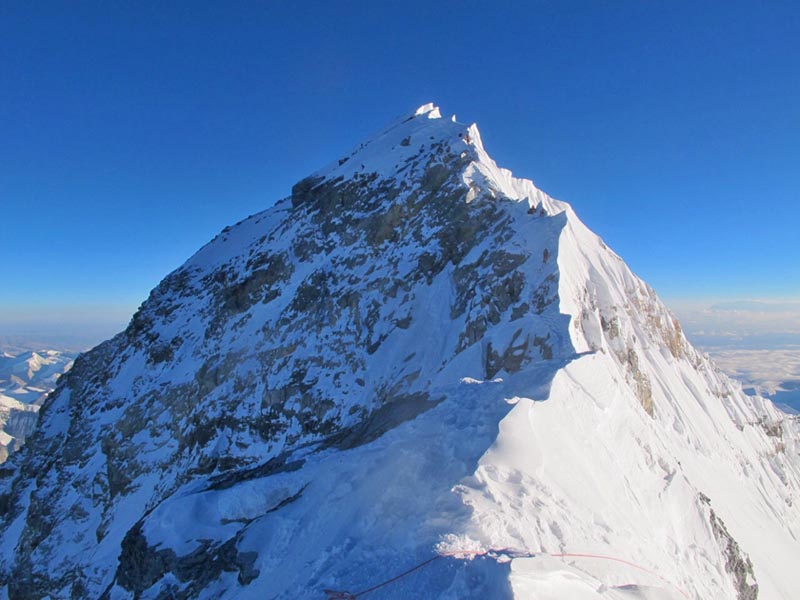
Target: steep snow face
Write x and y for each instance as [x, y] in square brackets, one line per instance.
[642, 436]
[415, 353]
[25, 380]
[738, 454]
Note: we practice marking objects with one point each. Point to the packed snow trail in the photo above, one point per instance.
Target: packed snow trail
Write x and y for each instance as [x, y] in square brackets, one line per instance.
[501, 554]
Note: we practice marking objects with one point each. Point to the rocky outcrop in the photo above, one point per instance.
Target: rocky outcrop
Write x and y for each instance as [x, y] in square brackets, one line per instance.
[737, 563]
[141, 566]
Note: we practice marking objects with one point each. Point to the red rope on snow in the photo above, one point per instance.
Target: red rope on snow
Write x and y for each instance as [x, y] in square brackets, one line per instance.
[344, 595]
[624, 562]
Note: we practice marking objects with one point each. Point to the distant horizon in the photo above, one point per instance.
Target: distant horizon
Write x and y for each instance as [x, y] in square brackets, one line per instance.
[704, 322]
[133, 134]
[756, 347]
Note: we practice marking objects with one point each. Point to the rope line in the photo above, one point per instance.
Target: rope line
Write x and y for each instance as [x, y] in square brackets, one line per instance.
[624, 562]
[495, 553]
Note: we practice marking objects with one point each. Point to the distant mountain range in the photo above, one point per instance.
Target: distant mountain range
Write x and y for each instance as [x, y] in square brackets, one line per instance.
[25, 381]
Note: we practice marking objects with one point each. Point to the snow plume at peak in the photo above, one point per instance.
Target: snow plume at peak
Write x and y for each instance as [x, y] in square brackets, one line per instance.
[388, 151]
[430, 110]
[416, 363]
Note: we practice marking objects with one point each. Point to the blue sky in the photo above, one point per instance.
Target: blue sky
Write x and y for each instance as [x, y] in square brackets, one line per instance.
[131, 133]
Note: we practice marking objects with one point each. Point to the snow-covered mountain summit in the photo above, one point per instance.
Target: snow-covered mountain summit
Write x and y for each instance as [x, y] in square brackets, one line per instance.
[414, 355]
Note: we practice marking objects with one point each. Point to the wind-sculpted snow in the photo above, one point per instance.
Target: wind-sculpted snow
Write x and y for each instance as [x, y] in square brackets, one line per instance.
[335, 389]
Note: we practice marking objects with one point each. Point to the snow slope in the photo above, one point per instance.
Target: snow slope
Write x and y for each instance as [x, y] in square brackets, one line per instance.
[415, 355]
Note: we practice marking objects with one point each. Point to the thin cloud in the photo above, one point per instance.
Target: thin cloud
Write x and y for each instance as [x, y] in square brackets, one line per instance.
[756, 306]
[755, 341]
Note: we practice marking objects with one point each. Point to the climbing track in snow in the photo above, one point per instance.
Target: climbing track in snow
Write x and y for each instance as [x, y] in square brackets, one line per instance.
[498, 553]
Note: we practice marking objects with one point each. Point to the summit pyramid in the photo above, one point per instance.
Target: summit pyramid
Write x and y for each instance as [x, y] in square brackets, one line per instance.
[415, 365]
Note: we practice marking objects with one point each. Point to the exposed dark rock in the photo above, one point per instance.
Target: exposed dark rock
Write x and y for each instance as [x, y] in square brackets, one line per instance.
[395, 410]
[737, 563]
[511, 358]
[141, 566]
[640, 381]
[545, 294]
[301, 191]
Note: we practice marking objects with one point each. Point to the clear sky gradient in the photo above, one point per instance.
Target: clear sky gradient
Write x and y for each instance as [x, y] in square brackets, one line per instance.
[131, 133]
